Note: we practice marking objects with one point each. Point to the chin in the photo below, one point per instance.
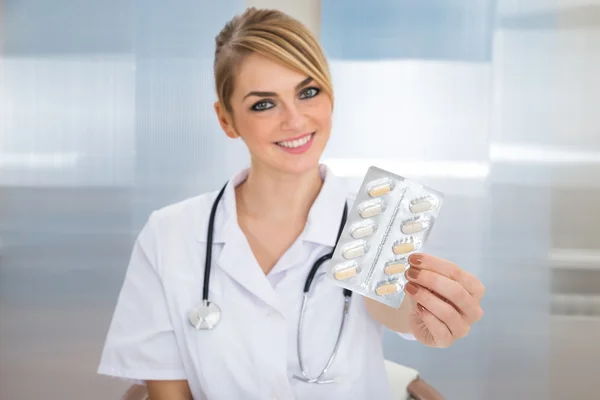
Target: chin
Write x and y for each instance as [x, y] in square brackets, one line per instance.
[300, 168]
[300, 164]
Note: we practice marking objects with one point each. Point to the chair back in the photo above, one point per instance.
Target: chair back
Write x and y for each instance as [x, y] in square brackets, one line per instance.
[408, 385]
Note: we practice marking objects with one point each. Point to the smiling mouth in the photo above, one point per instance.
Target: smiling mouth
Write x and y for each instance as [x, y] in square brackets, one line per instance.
[295, 143]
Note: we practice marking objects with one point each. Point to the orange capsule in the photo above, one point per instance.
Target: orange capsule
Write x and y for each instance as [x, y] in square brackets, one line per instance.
[345, 271]
[395, 267]
[380, 188]
[403, 248]
[388, 288]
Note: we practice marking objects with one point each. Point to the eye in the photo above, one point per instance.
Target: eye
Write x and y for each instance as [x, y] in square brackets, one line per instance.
[262, 105]
[309, 92]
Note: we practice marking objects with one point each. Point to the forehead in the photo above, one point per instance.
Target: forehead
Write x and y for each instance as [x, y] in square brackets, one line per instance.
[260, 73]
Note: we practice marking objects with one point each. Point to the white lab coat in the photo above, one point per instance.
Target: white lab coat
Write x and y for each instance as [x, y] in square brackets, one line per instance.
[251, 353]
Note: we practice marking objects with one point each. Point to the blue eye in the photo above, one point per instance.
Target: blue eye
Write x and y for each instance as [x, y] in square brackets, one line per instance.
[309, 92]
[262, 105]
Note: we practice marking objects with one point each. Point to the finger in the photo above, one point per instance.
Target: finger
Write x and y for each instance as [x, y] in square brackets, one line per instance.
[450, 270]
[449, 290]
[440, 332]
[442, 310]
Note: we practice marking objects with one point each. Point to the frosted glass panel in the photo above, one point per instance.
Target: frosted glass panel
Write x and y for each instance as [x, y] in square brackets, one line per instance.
[105, 114]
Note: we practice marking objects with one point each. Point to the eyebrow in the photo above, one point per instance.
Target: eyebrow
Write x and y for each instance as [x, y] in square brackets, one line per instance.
[273, 94]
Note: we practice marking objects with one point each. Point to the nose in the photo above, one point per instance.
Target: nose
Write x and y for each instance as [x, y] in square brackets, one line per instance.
[293, 119]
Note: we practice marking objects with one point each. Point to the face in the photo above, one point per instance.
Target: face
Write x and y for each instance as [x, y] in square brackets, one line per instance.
[283, 116]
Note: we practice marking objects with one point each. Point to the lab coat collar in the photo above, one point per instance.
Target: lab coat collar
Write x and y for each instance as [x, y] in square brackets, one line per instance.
[325, 215]
[235, 255]
[321, 227]
[323, 220]
[237, 260]
[226, 216]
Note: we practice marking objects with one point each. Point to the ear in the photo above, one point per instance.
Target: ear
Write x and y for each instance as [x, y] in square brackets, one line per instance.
[225, 120]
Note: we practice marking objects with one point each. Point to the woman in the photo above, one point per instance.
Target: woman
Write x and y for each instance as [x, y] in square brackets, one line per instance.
[273, 222]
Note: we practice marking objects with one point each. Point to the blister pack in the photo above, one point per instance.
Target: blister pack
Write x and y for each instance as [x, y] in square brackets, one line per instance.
[391, 218]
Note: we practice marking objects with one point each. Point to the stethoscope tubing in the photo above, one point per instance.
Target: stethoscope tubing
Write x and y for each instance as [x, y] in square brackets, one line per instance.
[306, 290]
[209, 243]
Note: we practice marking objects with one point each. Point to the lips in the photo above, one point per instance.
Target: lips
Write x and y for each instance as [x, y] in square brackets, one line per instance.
[296, 142]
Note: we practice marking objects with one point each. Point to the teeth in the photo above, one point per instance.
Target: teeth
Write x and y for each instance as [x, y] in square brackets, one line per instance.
[292, 144]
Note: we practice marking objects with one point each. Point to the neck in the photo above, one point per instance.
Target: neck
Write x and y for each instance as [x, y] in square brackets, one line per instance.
[277, 196]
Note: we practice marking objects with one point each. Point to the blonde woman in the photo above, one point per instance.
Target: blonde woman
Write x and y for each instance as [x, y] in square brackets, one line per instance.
[266, 230]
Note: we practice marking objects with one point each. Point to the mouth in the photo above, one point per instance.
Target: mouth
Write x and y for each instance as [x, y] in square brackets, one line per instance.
[296, 142]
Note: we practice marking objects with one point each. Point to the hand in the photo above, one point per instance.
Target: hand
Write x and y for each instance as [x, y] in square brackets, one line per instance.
[445, 300]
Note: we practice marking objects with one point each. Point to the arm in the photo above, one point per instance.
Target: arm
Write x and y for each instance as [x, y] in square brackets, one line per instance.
[421, 390]
[395, 319]
[169, 390]
[141, 344]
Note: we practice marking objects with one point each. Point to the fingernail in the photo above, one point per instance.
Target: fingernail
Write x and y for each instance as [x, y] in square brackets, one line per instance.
[413, 273]
[415, 259]
[421, 307]
[411, 288]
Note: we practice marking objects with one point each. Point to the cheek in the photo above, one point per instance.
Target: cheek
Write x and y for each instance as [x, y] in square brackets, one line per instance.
[255, 128]
[321, 111]
[323, 117]
[326, 120]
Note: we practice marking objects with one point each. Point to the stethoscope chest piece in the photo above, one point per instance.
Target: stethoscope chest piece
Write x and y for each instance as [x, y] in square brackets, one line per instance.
[205, 316]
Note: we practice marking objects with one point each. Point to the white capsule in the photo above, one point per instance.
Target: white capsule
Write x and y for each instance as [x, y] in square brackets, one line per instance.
[345, 271]
[371, 209]
[363, 230]
[414, 226]
[354, 250]
[423, 204]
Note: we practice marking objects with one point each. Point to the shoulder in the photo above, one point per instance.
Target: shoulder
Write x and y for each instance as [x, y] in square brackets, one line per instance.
[187, 213]
[185, 208]
[171, 231]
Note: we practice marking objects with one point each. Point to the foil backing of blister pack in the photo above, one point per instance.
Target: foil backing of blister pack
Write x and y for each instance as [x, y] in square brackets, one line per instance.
[391, 219]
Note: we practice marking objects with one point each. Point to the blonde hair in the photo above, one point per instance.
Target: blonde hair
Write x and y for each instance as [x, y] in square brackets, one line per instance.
[275, 35]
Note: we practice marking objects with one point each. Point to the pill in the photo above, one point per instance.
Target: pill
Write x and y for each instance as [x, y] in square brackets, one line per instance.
[354, 250]
[363, 230]
[403, 248]
[395, 267]
[371, 209]
[422, 204]
[348, 273]
[409, 227]
[387, 288]
[345, 271]
[380, 188]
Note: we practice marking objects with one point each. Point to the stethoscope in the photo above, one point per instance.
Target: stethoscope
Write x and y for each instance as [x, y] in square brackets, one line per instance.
[207, 315]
